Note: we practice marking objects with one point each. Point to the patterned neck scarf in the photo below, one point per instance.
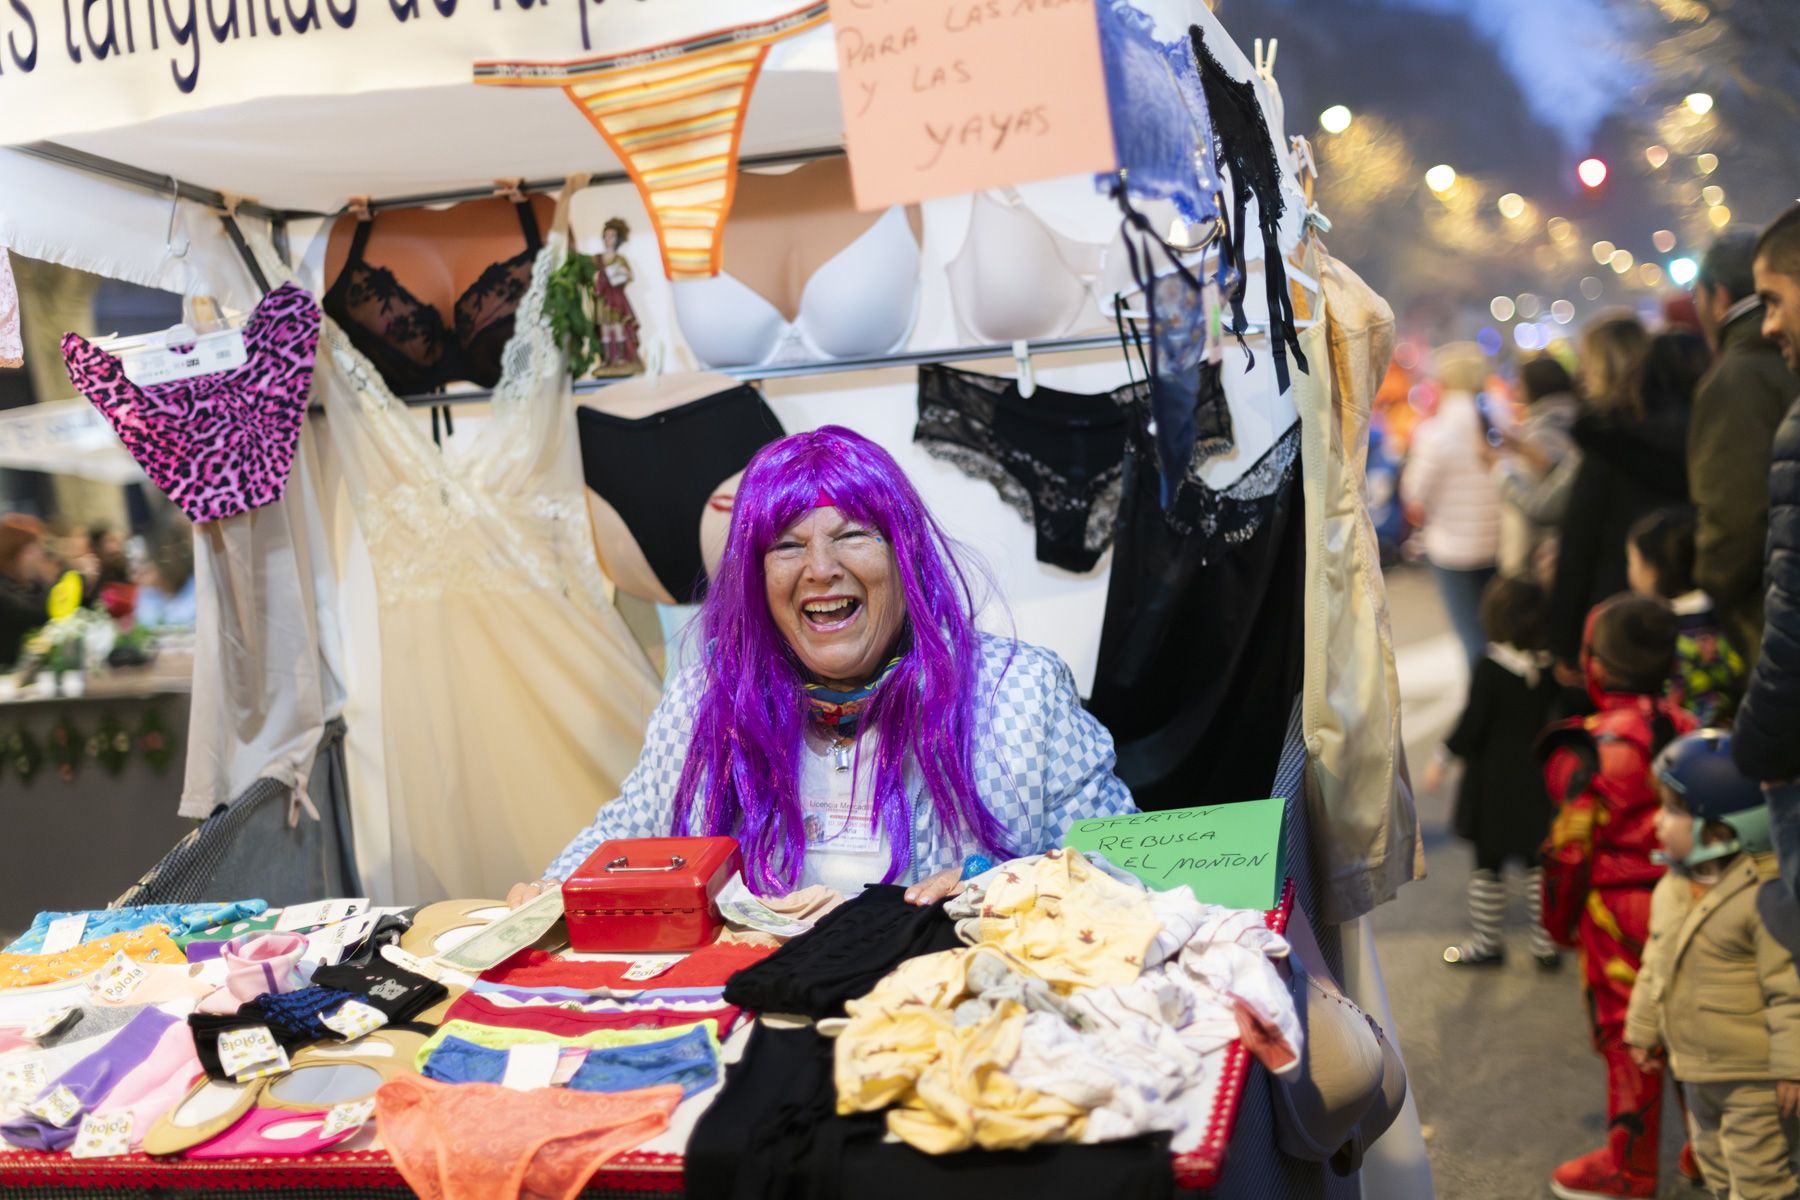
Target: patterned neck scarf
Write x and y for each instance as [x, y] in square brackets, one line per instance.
[841, 710]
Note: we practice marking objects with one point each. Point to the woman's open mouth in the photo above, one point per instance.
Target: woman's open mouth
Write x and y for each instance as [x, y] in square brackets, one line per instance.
[828, 614]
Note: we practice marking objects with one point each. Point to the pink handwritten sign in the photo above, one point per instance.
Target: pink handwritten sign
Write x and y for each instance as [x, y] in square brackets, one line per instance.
[943, 97]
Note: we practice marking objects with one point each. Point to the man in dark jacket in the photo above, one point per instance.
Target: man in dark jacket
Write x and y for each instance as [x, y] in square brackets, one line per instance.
[1766, 743]
[1738, 405]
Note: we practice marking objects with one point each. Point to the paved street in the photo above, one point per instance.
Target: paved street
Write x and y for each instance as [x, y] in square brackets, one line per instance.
[1506, 1084]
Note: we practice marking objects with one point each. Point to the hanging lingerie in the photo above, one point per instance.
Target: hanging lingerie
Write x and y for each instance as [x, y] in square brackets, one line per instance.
[1015, 277]
[1243, 133]
[222, 443]
[674, 118]
[1190, 415]
[406, 339]
[661, 471]
[1200, 648]
[1159, 117]
[1056, 457]
[858, 304]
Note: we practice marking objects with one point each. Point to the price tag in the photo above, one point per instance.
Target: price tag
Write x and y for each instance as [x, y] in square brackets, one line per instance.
[59, 1108]
[103, 1137]
[320, 912]
[64, 933]
[531, 1066]
[21, 1083]
[117, 979]
[328, 946]
[351, 1115]
[353, 1018]
[648, 968]
[49, 1023]
[242, 1050]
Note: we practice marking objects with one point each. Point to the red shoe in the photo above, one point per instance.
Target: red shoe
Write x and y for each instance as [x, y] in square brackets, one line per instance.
[1689, 1168]
[1598, 1176]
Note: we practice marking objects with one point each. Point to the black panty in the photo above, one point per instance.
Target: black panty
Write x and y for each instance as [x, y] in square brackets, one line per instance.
[1054, 457]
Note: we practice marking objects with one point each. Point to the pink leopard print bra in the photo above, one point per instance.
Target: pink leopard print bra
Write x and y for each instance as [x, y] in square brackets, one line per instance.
[218, 444]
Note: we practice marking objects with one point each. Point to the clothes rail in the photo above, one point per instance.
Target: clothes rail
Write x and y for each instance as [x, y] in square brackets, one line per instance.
[150, 181]
[830, 366]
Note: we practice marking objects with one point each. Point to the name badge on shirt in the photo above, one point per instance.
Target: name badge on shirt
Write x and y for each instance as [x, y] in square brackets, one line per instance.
[836, 823]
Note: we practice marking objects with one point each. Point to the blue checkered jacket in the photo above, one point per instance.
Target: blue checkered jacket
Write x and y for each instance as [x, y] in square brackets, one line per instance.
[1041, 764]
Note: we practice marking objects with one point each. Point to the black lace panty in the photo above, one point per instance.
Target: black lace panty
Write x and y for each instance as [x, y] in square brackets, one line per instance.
[1055, 458]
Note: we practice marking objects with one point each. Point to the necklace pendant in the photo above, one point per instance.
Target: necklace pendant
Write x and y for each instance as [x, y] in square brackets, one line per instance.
[840, 753]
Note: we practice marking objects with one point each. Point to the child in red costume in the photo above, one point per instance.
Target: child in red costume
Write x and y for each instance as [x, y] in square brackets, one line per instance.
[1598, 871]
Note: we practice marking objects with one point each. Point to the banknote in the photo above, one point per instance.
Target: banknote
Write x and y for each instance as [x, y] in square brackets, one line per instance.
[739, 906]
[507, 936]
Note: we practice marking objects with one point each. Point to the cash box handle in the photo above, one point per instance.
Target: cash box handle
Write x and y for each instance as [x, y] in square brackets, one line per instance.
[676, 862]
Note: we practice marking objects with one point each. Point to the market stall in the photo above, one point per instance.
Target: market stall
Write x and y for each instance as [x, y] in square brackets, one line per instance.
[504, 411]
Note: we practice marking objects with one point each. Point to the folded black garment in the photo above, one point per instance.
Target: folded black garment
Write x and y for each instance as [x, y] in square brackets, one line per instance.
[399, 994]
[844, 955]
[292, 1017]
[773, 1133]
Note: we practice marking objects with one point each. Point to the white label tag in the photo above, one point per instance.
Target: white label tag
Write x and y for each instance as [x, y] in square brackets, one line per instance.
[319, 912]
[531, 1066]
[648, 968]
[274, 1066]
[64, 934]
[21, 1083]
[212, 352]
[49, 1023]
[59, 1108]
[328, 946]
[117, 979]
[241, 1050]
[103, 1137]
[351, 1115]
[353, 1018]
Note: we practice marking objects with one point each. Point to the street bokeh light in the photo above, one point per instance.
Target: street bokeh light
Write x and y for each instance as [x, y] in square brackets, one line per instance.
[1335, 119]
[1682, 271]
[1441, 178]
[1591, 172]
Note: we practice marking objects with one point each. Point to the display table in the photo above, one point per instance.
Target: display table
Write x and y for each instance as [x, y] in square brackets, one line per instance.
[348, 1173]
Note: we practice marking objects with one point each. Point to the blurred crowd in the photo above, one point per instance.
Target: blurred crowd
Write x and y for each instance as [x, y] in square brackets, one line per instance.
[134, 582]
[1620, 559]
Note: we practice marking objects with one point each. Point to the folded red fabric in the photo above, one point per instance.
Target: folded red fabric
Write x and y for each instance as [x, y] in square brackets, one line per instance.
[709, 966]
[568, 1022]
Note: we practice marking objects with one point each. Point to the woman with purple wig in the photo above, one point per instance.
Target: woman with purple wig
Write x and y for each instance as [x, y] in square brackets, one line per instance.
[847, 723]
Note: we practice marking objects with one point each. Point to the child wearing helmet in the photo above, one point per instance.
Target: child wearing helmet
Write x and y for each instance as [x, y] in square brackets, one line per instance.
[1717, 992]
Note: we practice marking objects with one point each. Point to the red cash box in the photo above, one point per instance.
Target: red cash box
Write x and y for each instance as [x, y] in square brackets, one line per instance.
[649, 895]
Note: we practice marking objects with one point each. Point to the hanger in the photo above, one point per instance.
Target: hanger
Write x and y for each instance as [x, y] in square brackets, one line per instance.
[207, 344]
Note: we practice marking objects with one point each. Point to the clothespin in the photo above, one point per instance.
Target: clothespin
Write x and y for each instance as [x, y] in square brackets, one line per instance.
[1265, 63]
[511, 189]
[358, 207]
[1022, 361]
[1307, 165]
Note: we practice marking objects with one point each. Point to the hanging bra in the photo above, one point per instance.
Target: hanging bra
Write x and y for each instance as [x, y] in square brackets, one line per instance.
[860, 303]
[1016, 278]
[406, 339]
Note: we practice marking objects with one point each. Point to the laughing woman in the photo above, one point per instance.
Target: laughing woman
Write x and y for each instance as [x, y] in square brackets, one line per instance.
[847, 723]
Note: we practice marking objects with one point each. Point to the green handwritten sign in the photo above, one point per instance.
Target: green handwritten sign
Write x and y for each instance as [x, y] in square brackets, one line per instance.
[1229, 854]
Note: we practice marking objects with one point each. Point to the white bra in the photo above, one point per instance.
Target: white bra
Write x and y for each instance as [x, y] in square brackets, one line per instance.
[860, 303]
[1015, 278]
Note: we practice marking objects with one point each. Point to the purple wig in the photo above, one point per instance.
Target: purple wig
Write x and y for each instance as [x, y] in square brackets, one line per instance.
[741, 777]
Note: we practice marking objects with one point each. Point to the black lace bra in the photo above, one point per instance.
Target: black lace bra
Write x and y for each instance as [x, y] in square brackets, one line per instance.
[406, 338]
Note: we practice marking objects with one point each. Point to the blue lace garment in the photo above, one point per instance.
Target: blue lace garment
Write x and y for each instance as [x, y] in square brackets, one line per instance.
[1160, 126]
